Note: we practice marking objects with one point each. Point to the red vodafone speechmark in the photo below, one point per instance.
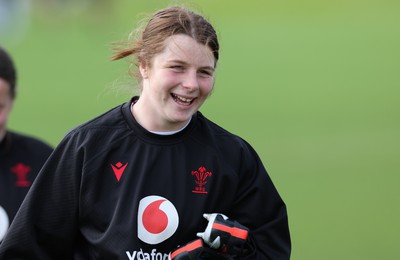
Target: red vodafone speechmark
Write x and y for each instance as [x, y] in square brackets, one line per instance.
[155, 220]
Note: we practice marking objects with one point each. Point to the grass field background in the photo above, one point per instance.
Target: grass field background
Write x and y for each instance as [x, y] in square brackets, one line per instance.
[314, 86]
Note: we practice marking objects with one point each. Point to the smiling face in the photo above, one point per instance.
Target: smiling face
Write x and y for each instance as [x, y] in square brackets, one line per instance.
[175, 84]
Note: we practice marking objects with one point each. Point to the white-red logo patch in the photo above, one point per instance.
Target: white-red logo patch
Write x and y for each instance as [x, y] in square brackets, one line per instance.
[157, 219]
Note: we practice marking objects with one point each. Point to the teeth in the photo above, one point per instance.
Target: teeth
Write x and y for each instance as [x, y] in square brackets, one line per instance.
[187, 100]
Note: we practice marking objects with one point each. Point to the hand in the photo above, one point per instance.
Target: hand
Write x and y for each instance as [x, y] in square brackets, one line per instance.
[224, 234]
[190, 251]
[196, 250]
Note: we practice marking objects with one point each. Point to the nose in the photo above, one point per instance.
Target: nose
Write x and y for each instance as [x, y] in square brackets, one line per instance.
[190, 81]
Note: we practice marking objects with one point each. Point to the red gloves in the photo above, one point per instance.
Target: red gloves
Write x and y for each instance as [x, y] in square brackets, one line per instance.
[190, 251]
[224, 237]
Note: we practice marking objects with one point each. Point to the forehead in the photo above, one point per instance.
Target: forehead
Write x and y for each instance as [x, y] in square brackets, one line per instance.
[185, 49]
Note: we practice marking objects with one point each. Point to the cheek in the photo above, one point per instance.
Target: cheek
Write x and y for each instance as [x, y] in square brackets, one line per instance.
[207, 86]
[166, 81]
[3, 119]
[4, 112]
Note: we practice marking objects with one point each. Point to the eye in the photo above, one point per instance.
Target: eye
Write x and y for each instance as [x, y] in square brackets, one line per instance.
[177, 68]
[206, 73]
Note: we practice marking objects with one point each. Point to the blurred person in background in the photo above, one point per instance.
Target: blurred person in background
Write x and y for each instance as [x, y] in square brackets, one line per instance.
[15, 19]
[153, 178]
[21, 156]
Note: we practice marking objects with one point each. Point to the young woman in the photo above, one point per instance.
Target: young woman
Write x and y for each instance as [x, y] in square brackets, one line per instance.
[21, 156]
[154, 178]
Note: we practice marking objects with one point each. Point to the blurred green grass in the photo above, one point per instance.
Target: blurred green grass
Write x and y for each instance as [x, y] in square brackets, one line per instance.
[312, 85]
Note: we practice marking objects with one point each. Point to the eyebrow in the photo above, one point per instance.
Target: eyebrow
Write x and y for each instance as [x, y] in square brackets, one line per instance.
[185, 63]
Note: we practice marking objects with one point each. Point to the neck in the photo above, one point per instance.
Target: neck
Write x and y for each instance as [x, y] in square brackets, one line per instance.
[149, 122]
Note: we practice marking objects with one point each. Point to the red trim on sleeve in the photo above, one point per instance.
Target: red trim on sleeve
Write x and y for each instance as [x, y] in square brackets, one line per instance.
[187, 248]
[236, 232]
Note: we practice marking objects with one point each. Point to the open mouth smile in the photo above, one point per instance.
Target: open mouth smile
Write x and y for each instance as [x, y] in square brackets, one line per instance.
[182, 100]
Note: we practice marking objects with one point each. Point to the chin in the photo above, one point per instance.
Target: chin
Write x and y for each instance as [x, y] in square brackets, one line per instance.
[182, 119]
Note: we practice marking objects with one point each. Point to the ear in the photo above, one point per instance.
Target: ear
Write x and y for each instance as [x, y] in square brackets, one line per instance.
[143, 70]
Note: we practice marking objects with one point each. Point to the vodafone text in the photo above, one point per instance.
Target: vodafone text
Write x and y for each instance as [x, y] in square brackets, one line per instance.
[140, 255]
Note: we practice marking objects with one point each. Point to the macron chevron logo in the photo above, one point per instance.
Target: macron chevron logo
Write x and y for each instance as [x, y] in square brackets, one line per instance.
[118, 169]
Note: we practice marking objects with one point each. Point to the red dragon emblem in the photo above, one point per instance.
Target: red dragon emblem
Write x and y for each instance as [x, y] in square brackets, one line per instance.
[201, 175]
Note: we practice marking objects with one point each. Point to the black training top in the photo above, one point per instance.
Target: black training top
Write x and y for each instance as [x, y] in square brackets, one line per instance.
[21, 158]
[113, 190]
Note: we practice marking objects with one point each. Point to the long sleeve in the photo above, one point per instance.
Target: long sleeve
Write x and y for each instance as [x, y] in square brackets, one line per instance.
[46, 224]
[260, 207]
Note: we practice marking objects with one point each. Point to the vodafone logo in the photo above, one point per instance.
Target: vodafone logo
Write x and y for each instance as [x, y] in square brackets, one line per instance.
[4, 223]
[157, 219]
